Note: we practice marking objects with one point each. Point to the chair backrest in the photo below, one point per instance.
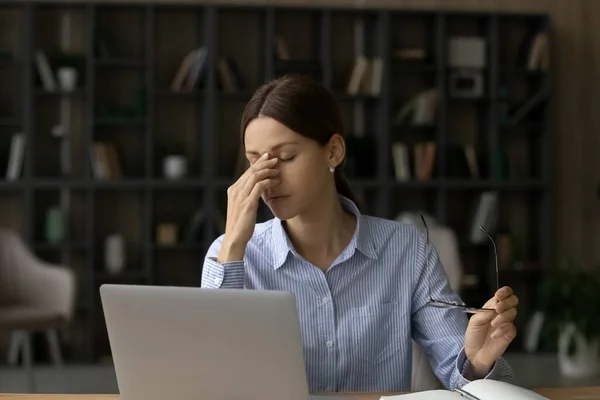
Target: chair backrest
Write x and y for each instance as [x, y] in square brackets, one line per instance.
[27, 280]
[443, 239]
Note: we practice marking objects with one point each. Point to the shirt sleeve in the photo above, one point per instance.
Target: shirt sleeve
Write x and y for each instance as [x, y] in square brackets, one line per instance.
[215, 275]
[441, 332]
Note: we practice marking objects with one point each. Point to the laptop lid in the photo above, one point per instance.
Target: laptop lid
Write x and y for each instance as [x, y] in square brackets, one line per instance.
[189, 343]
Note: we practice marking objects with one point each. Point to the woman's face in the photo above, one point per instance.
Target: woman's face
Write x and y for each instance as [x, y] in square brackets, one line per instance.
[303, 166]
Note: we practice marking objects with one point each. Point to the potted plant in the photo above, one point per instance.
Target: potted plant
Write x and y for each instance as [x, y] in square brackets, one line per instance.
[174, 162]
[570, 300]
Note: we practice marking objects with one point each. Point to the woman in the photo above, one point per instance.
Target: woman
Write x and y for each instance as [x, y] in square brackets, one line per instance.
[361, 283]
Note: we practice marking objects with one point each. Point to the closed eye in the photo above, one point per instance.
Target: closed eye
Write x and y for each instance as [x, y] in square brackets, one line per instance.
[287, 159]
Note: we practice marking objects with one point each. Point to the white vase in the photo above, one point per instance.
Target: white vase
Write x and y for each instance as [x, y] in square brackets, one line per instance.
[114, 253]
[174, 167]
[586, 360]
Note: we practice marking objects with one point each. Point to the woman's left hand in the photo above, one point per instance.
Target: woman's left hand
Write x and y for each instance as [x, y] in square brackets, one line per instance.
[489, 333]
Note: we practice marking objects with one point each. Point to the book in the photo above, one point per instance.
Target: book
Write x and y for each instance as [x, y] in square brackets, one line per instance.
[359, 72]
[482, 389]
[15, 161]
[485, 214]
[184, 70]
[45, 71]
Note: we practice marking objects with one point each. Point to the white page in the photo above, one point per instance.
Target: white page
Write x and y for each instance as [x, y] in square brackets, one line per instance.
[426, 395]
[489, 389]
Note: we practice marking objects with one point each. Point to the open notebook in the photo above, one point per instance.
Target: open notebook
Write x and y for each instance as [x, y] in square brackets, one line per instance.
[485, 389]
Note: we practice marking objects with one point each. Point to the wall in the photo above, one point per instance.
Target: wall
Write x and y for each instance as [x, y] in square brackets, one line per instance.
[576, 58]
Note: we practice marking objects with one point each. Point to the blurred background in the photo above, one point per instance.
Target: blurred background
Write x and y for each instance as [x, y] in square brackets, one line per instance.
[119, 137]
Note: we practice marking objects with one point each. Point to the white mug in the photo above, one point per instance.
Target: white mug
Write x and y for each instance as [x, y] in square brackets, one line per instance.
[174, 167]
[67, 77]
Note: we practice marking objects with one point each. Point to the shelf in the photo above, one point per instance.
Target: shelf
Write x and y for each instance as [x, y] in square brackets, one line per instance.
[120, 121]
[120, 63]
[345, 97]
[402, 67]
[482, 100]
[455, 184]
[133, 183]
[60, 183]
[175, 95]
[68, 246]
[126, 275]
[523, 71]
[82, 183]
[433, 184]
[525, 185]
[180, 247]
[60, 93]
[529, 126]
[178, 184]
[12, 185]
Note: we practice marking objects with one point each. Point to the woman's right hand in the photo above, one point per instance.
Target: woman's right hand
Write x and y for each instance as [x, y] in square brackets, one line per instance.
[242, 206]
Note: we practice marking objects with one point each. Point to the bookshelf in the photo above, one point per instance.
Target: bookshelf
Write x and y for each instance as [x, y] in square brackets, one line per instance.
[126, 56]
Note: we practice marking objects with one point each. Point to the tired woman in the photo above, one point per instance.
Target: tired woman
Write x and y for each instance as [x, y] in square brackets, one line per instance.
[362, 283]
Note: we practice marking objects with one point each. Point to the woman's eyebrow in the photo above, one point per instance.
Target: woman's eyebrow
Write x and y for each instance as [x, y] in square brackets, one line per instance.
[277, 146]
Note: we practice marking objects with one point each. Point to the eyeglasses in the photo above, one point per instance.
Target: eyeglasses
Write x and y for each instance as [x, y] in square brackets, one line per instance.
[454, 304]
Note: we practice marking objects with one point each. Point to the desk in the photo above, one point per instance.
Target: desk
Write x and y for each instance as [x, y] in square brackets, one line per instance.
[564, 393]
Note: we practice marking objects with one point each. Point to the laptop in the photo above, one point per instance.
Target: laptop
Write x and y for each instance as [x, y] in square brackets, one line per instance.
[189, 343]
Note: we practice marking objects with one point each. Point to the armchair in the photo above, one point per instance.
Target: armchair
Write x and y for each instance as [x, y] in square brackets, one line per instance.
[34, 296]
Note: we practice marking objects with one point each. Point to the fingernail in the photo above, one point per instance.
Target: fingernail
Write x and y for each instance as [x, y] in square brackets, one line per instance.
[265, 156]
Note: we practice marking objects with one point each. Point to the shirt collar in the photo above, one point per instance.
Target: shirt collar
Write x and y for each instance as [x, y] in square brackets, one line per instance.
[361, 240]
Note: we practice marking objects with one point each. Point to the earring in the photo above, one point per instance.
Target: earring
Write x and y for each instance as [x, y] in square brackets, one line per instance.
[331, 169]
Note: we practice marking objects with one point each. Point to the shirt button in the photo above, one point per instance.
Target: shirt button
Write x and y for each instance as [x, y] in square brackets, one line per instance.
[325, 300]
[329, 343]
[216, 281]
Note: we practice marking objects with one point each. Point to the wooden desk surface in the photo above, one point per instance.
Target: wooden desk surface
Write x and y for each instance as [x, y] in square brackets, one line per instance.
[564, 393]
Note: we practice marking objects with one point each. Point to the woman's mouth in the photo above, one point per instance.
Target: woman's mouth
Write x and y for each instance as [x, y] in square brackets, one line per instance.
[276, 199]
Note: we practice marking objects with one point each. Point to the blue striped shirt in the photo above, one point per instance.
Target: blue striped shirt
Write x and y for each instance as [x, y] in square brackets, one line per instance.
[358, 317]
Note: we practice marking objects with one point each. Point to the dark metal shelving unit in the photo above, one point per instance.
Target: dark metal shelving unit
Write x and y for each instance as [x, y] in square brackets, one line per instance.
[208, 181]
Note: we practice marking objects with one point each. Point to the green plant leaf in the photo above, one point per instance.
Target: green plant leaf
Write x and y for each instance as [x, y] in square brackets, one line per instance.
[571, 293]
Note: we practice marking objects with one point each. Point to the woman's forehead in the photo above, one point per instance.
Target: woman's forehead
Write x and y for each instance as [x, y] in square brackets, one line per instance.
[265, 134]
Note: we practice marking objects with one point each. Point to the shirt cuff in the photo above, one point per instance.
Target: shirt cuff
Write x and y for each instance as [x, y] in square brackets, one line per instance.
[222, 275]
[463, 365]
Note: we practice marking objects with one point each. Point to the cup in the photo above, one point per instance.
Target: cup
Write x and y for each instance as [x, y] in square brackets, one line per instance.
[174, 167]
[67, 77]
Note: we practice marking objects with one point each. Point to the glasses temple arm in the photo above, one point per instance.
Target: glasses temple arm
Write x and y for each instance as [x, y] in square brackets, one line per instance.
[495, 255]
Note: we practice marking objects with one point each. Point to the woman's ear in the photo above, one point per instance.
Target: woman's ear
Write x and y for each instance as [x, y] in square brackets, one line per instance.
[336, 150]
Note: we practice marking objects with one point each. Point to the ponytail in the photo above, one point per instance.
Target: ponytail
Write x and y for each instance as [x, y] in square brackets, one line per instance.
[343, 187]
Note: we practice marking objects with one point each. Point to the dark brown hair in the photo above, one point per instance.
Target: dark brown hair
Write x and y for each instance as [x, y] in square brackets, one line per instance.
[304, 106]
